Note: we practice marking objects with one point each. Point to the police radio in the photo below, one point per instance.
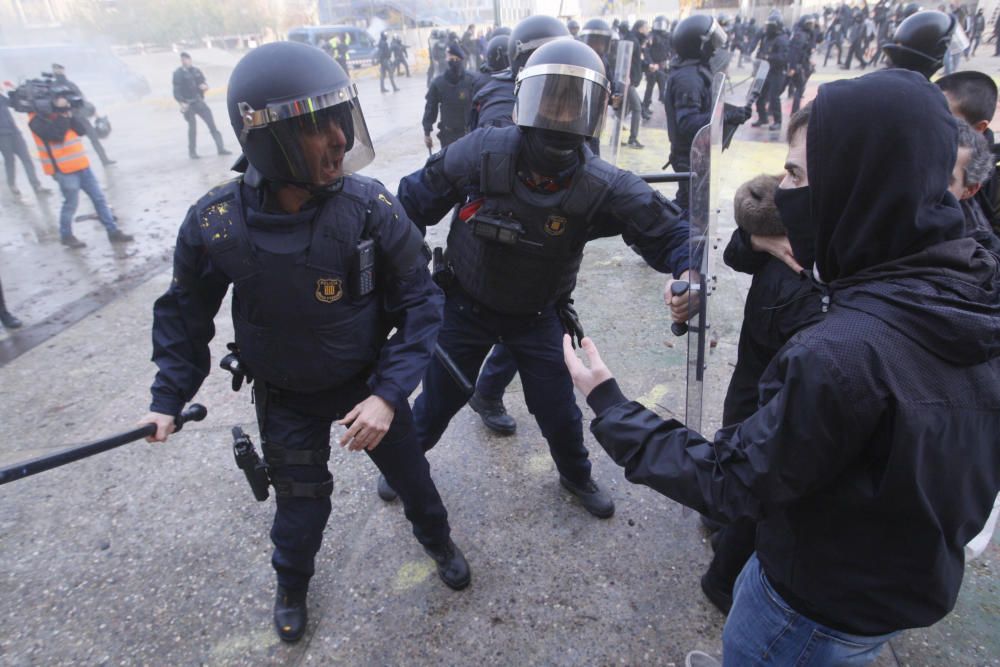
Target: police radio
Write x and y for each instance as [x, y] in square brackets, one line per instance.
[364, 269]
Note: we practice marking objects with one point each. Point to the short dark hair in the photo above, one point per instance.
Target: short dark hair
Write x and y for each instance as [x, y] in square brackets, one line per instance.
[799, 121]
[185, 54]
[974, 93]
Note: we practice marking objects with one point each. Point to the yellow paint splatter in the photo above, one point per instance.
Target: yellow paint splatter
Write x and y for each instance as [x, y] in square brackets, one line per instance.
[412, 574]
[650, 399]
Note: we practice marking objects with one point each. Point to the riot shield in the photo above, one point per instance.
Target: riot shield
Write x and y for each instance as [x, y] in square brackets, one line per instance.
[616, 117]
[706, 150]
[761, 68]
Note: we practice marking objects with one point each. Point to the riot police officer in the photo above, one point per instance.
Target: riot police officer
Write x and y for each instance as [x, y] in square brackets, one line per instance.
[437, 45]
[800, 52]
[773, 49]
[659, 55]
[452, 92]
[530, 197]
[324, 263]
[496, 61]
[493, 104]
[921, 42]
[687, 98]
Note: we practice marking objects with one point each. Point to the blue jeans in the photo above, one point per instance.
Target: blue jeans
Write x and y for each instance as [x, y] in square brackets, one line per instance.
[497, 373]
[535, 342]
[70, 185]
[762, 629]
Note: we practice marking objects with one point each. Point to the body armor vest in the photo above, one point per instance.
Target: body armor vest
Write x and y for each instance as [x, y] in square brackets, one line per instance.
[456, 98]
[301, 322]
[533, 273]
[680, 146]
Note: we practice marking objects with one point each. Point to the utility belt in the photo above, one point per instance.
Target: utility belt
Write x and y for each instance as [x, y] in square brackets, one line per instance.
[271, 470]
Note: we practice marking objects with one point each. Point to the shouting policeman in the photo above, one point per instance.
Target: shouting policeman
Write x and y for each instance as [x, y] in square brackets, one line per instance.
[324, 263]
[530, 198]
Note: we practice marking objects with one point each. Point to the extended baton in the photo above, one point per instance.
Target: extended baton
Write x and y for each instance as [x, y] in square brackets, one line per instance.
[667, 177]
[454, 371]
[194, 412]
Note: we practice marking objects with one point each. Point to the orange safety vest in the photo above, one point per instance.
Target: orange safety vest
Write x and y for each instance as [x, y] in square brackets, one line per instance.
[69, 155]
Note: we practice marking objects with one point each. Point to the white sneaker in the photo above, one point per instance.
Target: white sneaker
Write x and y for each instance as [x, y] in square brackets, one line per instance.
[700, 659]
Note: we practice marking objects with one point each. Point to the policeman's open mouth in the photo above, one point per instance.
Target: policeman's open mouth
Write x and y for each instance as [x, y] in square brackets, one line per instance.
[331, 167]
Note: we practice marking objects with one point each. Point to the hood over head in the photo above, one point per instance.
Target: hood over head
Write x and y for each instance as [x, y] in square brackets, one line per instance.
[880, 151]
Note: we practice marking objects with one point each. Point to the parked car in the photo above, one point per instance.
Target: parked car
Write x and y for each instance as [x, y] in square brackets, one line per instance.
[96, 69]
[361, 48]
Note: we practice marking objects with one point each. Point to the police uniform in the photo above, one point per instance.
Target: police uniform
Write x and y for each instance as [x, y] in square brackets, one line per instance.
[454, 98]
[773, 49]
[314, 342]
[687, 101]
[508, 292]
[493, 104]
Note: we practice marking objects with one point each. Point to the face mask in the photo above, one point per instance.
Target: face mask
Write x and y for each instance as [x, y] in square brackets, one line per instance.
[793, 207]
[551, 153]
[455, 68]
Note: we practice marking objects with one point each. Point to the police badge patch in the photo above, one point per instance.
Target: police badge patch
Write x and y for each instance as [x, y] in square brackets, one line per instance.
[329, 290]
[555, 225]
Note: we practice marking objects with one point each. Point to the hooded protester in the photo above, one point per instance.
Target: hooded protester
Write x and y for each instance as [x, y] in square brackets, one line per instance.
[871, 460]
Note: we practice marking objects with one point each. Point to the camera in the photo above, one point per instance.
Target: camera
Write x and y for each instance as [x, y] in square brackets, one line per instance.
[36, 95]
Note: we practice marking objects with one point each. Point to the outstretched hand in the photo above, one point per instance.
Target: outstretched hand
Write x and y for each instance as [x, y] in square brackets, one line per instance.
[585, 378]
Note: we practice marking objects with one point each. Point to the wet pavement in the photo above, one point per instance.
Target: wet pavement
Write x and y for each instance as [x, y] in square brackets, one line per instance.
[158, 555]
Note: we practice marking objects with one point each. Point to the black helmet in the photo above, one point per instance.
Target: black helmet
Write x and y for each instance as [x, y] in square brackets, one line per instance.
[774, 24]
[531, 33]
[921, 42]
[297, 116]
[697, 37]
[562, 88]
[661, 24]
[909, 10]
[500, 30]
[496, 54]
[102, 126]
[597, 35]
[573, 26]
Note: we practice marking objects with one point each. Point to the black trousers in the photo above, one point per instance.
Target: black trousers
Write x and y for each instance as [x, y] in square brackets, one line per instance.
[197, 109]
[769, 102]
[11, 146]
[386, 67]
[856, 51]
[653, 79]
[833, 44]
[296, 421]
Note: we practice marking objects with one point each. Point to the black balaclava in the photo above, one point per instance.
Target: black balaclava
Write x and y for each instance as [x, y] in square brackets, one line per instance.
[880, 151]
[455, 69]
[793, 206]
[549, 152]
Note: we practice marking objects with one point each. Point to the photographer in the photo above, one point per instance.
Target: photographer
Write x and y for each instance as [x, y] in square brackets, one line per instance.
[58, 135]
[80, 113]
[12, 145]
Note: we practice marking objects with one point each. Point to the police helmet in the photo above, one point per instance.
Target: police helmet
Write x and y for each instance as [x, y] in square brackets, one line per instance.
[921, 42]
[775, 24]
[102, 126]
[661, 24]
[909, 10]
[530, 34]
[496, 54]
[597, 34]
[724, 20]
[573, 26]
[697, 37]
[500, 30]
[297, 116]
[563, 88]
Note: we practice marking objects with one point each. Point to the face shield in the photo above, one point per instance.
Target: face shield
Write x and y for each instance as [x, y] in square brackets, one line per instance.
[562, 98]
[598, 40]
[310, 141]
[661, 25]
[521, 50]
[715, 39]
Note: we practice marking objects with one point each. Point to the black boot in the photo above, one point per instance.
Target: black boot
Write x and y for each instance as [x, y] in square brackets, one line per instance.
[290, 615]
[451, 565]
[592, 497]
[385, 492]
[493, 414]
[8, 320]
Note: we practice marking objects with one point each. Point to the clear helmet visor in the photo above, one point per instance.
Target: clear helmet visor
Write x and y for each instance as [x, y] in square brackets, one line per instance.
[563, 98]
[661, 25]
[598, 40]
[716, 36]
[312, 141]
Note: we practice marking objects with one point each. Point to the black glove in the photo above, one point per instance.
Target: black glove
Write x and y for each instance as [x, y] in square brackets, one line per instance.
[231, 362]
[570, 321]
[734, 115]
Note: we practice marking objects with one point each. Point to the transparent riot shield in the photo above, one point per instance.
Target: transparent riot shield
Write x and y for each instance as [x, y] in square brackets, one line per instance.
[616, 117]
[706, 150]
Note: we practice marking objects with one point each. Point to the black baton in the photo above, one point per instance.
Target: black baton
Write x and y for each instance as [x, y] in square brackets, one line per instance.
[454, 371]
[194, 412]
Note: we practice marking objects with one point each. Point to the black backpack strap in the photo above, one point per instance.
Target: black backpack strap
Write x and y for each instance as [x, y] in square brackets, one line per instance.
[497, 170]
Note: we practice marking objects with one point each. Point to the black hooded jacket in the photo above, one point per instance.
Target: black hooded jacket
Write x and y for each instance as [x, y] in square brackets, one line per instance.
[872, 459]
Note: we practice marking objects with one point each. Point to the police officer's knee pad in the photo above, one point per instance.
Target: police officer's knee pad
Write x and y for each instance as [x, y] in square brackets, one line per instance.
[279, 458]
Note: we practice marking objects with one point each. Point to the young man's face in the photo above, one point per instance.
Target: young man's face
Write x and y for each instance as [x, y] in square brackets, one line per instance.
[795, 163]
